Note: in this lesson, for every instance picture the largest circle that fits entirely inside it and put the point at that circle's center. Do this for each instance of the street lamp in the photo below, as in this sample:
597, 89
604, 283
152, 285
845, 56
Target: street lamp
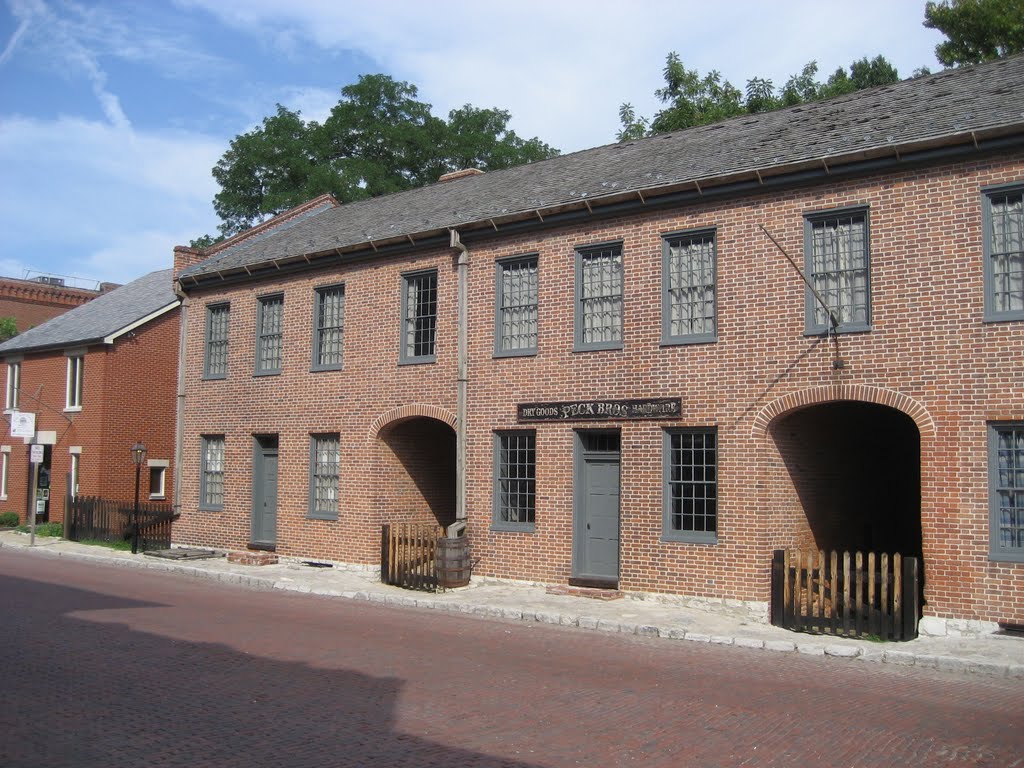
138, 456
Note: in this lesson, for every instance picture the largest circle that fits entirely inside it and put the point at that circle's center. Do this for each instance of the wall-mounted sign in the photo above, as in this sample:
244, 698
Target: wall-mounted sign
601, 410
23, 424
36, 453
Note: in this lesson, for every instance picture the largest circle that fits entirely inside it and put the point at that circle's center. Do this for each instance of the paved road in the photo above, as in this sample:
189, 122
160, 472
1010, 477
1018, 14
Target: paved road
105, 667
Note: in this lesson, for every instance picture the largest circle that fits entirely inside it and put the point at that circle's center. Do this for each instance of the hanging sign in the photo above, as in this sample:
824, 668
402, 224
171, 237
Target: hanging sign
23, 424
601, 410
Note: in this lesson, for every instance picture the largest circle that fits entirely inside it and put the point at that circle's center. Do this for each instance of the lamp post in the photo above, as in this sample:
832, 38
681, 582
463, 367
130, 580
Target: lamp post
138, 456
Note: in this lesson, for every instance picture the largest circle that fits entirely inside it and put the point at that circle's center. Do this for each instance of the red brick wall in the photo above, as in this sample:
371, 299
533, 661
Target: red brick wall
31, 303
928, 354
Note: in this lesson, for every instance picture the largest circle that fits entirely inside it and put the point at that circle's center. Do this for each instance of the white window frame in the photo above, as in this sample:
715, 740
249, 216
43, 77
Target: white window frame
159, 464
13, 398
76, 472
74, 390
5, 457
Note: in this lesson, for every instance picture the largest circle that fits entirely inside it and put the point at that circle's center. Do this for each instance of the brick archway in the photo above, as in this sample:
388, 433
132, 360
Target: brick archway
805, 398
411, 411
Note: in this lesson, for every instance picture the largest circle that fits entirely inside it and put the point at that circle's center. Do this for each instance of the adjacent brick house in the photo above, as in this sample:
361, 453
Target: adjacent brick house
97, 379
33, 302
641, 390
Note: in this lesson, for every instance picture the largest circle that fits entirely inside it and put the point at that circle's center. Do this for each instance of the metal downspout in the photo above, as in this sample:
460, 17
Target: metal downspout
179, 415
456, 528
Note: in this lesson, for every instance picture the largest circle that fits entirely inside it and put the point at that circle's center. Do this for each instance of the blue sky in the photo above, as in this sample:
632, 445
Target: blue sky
112, 113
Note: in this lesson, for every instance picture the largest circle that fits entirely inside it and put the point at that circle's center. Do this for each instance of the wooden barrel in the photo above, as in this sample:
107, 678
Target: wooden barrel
452, 561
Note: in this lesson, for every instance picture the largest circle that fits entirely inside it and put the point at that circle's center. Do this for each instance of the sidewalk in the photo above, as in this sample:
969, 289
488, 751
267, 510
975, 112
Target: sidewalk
996, 655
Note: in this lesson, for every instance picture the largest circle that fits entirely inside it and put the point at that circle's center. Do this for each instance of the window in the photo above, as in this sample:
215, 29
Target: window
836, 259
76, 465
13, 386
1006, 492
515, 470
215, 365
76, 369
329, 328
419, 312
516, 304
211, 483
158, 478
324, 468
599, 297
691, 486
4, 460
1004, 253
268, 334
688, 287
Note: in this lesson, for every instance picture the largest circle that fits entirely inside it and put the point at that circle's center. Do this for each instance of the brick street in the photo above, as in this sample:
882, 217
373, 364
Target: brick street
111, 668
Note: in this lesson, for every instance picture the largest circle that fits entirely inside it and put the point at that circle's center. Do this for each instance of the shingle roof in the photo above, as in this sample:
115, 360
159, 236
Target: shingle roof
102, 317
956, 105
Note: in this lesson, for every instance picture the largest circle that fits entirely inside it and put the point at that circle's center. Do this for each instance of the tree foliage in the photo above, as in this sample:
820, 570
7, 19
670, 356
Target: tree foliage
691, 99
8, 328
976, 30
379, 138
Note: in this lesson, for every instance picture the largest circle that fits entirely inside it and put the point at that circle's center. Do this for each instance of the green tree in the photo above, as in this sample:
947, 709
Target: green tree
8, 328
378, 139
976, 30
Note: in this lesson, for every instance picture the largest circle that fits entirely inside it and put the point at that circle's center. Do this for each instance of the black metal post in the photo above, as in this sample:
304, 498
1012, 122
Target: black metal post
135, 524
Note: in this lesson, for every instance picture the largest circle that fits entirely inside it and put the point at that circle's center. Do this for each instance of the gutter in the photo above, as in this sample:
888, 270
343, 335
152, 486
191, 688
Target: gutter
462, 381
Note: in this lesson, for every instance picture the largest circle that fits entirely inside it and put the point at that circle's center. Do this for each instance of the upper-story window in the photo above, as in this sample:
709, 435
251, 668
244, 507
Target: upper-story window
599, 297
837, 261
329, 328
515, 321
13, 386
688, 287
1004, 253
269, 323
419, 314
76, 373
215, 361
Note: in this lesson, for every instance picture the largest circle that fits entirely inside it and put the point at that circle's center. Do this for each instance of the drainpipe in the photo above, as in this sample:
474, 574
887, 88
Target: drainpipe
179, 415
456, 528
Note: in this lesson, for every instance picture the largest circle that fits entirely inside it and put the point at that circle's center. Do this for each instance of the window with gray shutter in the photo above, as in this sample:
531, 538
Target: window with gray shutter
515, 481
691, 486
599, 297
330, 327
215, 365
1004, 253
688, 284
516, 320
1006, 492
269, 325
837, 262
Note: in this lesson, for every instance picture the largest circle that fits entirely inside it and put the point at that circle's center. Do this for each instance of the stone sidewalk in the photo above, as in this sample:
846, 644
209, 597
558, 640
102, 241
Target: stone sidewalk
722, 624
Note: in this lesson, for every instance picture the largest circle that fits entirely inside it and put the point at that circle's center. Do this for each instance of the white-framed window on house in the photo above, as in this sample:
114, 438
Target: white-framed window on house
329, 328
1006, 491
691, 486
515, 481
76, 374
515, 321
1003, 217
688, 287
324, 473
76, 470
5, 461
269, 327
158, 478
419, 317
215, 358
211, 473
599, 297
837, 262
13, 398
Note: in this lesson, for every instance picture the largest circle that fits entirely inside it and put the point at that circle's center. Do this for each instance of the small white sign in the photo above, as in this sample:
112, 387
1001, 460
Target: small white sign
23, 424
36, 453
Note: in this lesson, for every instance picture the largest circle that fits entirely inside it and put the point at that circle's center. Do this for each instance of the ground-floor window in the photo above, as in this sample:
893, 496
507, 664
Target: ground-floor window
515, 472
691, 486
1006, 491
324, 469
211, 484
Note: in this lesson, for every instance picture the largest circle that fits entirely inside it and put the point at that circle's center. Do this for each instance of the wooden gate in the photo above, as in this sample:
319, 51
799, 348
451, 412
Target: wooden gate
855, 594
408, 552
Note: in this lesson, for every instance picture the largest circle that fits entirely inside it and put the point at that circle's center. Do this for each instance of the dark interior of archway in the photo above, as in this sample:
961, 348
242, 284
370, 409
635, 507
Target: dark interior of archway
857, 470
425, 451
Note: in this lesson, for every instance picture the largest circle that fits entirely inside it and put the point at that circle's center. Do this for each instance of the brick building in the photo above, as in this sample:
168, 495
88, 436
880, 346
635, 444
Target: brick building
33, 302
96, 379
605, 368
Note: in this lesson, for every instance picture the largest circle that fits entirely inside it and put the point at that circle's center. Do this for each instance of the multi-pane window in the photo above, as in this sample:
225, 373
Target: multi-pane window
1006, 491
516, 319
329, 328
324, 469
688, 287
76, 371
13, 386
515, 484
268, 334
837, 258
419, 317
1004, 254
691, 486
599, 297
215, 365
76, 468
211, 490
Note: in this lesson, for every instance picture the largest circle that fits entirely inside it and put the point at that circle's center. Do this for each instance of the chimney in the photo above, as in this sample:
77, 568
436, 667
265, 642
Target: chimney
461, 174
185, 257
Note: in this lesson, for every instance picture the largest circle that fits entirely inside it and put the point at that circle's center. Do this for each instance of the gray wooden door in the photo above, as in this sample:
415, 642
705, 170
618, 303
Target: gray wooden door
264, 492
596, 527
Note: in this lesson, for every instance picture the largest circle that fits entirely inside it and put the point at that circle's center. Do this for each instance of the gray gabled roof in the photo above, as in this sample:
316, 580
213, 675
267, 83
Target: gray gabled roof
104, 317
956, 106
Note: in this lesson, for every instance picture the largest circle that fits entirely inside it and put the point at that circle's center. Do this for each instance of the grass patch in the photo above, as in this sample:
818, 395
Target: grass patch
121, 546
45, 529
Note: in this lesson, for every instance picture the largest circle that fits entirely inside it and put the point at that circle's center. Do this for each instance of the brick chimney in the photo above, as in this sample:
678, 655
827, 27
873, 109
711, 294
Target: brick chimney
185, 257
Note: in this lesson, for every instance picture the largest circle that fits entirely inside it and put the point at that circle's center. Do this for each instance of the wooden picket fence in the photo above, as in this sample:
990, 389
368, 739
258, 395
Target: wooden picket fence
97, 519
408, 555
848, 594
